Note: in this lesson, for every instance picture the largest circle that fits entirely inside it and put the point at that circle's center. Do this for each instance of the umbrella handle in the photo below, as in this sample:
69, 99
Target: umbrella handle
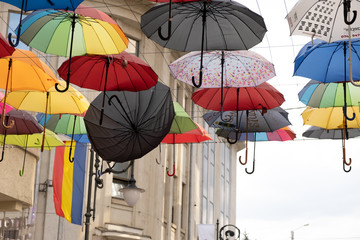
12, 122
169, 31
347, 7
71, 159
242, 163
344, 164
169, 25
172, 174
345, 113
229, 141
246, 170
200, 79
17, 41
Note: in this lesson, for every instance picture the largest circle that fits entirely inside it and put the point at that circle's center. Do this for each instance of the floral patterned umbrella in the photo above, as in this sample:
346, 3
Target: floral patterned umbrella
224, 68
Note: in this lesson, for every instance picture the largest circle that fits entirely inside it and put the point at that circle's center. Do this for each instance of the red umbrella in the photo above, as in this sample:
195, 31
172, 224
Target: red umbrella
263, 96
5, 48
120, 72
196, 135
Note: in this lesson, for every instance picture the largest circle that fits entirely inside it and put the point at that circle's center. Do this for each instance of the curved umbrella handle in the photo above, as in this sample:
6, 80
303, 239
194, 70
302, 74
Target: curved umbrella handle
251, 172
62, 90
17, 41
172, 174
344, 164
236, 138
242, 163
346, 4
200, 79
12, 122
345, 113
71, 159
169, 25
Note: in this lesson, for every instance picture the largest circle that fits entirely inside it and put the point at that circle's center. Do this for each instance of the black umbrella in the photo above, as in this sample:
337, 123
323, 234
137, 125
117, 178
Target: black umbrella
220, 24
133, 124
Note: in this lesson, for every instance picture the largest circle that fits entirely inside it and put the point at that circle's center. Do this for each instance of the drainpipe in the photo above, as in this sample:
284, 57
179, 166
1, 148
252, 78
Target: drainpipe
192, 165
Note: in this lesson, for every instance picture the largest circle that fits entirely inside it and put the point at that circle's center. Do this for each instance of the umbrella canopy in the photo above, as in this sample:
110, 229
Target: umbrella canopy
326, 62
182, 122
7, 107
323, 19
50, 102
24, 123
246, 98
63, 123
133, 125
227, 25
196, 135
119, 72
272, 120
235, 68
5, 48
25, 71
323, 95
33, 140
28, 5
283, 134
50, 32
321, 133
331, 117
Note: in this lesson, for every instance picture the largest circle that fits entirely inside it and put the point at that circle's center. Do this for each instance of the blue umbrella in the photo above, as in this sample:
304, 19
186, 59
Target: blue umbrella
29, 5
326, 62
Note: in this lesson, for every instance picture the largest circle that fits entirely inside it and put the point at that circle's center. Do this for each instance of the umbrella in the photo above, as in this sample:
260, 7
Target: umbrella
321, 133
224, 68
5, 48
7, 107
66, 33
182, 123
330, 118
245, 98
133, 125
32, 141
196, 135
29, 5
272, 120
50, 102
322, 95
24, 71
232, 27
121, 72
282, 134
324, 20
68, 124
24, 123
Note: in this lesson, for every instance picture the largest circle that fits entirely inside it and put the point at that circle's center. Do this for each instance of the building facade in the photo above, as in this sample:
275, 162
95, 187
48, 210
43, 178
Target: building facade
202, 190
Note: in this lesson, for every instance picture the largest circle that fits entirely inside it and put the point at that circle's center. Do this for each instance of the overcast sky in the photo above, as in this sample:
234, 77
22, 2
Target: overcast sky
296, 182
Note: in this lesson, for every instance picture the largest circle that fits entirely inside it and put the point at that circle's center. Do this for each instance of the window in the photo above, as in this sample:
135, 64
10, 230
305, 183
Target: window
133, 47
120, 180
14, 19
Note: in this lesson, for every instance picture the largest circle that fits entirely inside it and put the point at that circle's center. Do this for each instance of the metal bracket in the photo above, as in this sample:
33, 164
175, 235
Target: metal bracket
44, 186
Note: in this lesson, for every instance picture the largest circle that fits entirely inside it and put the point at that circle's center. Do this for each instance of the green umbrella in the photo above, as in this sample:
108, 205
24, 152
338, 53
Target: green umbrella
67, 124
182, 122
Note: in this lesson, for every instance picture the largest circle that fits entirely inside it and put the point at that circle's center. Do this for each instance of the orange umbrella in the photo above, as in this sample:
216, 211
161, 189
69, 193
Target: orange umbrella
23, 70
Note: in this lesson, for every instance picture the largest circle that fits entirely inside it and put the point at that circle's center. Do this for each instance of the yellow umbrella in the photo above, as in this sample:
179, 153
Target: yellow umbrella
330, 118
23, 70
50, 102
333, 118
32, 141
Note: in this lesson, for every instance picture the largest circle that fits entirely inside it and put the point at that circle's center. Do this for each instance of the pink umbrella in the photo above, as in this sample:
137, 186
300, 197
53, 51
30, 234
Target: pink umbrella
7, 107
